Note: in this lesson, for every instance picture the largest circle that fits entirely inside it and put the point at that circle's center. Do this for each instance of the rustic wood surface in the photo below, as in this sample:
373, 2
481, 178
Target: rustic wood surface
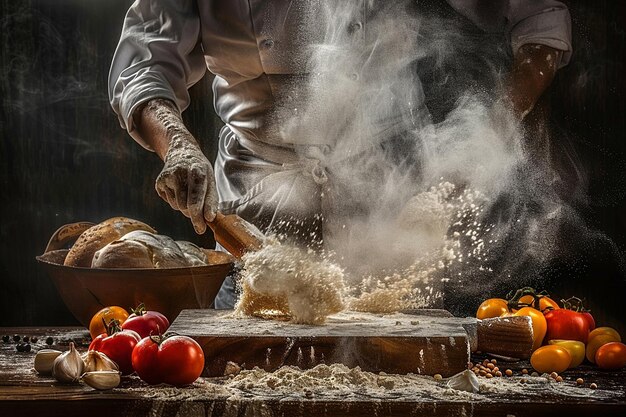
399, 343
22, 392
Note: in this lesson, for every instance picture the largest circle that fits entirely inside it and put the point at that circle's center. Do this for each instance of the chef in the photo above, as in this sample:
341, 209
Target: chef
257, 51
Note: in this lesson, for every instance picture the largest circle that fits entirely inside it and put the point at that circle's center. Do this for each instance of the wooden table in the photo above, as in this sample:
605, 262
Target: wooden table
23, 393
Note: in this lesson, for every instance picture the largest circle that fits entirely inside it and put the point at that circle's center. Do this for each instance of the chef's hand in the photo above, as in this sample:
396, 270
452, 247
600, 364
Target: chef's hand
533, 70
186, 182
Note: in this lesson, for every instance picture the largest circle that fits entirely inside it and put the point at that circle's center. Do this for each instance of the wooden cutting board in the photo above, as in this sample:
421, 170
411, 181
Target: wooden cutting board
428, 342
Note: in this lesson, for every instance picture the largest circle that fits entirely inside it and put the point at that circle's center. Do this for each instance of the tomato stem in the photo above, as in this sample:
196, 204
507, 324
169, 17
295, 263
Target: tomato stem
575, 304
514, 297
140, 310
113, 326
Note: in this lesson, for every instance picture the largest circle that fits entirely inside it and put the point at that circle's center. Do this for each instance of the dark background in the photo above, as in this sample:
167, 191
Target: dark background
64, 158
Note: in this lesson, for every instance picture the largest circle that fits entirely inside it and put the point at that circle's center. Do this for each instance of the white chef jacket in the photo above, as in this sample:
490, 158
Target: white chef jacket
258, 49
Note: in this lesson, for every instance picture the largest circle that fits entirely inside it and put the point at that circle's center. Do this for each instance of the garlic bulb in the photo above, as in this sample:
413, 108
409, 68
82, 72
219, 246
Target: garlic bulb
97, 361
69, 366
44, 359
101, 379
464, 381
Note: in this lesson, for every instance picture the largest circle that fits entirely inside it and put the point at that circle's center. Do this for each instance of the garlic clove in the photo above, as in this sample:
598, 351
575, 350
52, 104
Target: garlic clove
68, 366
44, 359
98, 361
101, 380
464, 381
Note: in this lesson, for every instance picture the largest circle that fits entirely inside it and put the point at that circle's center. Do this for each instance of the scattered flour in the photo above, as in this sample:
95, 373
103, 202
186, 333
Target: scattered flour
339, 383
283, 281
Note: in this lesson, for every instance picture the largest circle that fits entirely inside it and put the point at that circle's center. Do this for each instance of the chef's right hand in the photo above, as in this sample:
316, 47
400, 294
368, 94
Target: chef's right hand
187, 182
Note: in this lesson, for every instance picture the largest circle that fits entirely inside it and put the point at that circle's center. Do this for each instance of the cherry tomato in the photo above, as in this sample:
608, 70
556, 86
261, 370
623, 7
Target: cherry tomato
146, 323
492, 307
551, 358
597, 342
119, 347
611, 356
96, 325
605, 330
538, 322
175, 360
566, 325
575, 349
544, 302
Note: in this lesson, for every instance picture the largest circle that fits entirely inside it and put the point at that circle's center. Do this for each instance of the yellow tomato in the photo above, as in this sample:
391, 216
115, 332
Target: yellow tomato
493, 307
604, 330
599, 340
540, 326
96, 325
551, 358
575, 349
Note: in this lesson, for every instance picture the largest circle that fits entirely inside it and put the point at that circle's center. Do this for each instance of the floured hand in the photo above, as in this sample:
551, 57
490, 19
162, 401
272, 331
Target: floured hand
186, 182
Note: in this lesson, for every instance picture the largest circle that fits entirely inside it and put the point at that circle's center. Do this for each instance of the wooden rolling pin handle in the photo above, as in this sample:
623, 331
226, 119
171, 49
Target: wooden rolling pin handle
235, 234
506, 336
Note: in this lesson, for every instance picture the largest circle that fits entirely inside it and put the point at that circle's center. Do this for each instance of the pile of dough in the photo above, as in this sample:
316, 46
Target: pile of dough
288, 281
141, 249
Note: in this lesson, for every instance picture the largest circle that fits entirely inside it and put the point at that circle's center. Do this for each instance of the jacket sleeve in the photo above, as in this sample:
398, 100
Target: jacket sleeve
544, 22
159, 55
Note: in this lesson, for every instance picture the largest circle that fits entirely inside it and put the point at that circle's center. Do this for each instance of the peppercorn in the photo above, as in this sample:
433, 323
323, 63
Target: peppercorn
580, 381
34, 339
16, 338
49, 340
593, 385
20, 347
508, 372
6, 338
559, 378
26, 339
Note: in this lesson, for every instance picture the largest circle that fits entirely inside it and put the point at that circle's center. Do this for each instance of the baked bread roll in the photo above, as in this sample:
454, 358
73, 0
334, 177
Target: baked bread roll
141, 249
100, 235
195, 256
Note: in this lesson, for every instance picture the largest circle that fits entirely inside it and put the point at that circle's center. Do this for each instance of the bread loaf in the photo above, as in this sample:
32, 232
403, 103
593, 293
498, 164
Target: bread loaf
141, 249
100, 235
195, 256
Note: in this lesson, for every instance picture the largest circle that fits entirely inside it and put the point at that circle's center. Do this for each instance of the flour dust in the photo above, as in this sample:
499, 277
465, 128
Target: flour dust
415, 205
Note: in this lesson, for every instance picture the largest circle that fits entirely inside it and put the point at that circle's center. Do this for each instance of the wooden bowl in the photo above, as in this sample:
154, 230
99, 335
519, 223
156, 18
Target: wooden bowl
86, 290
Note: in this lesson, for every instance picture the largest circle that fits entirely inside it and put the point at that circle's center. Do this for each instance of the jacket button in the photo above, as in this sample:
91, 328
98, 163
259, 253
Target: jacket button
267, 43
355, 26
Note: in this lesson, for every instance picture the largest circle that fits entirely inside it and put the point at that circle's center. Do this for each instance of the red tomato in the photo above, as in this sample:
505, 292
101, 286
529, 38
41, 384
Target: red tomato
175, 360
567, 325
611, 356
590, 320
119, 347
146, 323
